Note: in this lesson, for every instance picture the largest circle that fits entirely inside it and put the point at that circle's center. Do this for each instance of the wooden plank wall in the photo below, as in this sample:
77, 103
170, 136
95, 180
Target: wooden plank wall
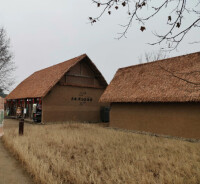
81, 75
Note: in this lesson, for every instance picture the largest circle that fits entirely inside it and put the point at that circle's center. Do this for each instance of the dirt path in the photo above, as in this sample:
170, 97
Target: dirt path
10, 169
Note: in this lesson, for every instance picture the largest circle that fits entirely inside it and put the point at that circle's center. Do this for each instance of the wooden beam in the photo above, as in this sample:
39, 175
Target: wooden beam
86, 86
79, 76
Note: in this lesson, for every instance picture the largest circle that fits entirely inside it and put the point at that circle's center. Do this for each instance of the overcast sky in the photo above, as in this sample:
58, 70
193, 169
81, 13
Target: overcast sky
44, 33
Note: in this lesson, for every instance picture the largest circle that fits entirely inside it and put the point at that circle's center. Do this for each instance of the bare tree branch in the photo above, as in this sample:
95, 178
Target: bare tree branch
180, 10
152, 56
173, 74
6, 63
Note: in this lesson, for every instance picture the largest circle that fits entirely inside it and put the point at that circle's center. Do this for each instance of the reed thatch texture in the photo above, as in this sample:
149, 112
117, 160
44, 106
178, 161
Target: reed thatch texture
41, 82
174, 79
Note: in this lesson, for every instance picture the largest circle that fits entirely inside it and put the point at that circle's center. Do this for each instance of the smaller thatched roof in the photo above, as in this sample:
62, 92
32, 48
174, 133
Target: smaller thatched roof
42, 81
174, 79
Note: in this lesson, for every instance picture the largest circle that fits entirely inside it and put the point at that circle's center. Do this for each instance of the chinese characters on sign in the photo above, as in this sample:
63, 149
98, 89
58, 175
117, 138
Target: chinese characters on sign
82, 98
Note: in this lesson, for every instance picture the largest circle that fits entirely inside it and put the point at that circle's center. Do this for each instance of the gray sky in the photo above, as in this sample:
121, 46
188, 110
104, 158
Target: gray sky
47, 32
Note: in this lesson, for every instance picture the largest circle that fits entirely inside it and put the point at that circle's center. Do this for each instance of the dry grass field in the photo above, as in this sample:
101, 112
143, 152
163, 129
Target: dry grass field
87, 154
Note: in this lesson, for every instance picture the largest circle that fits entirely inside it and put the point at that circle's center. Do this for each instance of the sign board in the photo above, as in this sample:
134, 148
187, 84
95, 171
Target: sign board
82, 98
1, 115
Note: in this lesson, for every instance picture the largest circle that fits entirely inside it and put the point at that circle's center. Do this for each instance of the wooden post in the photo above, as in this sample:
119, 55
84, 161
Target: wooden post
21, 126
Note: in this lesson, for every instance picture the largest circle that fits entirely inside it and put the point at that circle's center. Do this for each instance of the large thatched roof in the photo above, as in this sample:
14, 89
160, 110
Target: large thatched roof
170, 80
40, 82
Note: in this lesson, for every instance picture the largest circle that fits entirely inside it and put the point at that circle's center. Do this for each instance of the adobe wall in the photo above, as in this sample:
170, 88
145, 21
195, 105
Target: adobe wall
68, 103
176, 119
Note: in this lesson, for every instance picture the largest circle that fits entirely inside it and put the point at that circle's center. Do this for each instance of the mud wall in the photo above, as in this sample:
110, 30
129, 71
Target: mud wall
69, 103
175, 119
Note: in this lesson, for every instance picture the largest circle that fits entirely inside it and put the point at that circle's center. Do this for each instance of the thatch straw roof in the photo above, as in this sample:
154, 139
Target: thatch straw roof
174, 79
41, 82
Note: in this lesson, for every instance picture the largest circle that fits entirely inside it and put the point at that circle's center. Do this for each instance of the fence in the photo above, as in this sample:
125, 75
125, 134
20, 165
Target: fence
1, 115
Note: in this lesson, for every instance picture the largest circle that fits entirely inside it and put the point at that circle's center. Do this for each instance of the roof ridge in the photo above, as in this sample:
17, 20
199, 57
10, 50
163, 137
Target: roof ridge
152, 62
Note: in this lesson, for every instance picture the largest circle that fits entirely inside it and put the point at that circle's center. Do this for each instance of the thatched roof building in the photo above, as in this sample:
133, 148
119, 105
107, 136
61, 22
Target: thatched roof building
67, 91
42, 81
149, 96
168, 80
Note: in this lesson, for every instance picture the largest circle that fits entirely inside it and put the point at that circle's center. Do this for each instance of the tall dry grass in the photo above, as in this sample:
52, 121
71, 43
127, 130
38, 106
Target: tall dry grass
83, 153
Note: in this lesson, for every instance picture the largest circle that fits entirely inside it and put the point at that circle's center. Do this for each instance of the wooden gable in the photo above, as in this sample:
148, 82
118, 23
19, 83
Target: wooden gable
82, 75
